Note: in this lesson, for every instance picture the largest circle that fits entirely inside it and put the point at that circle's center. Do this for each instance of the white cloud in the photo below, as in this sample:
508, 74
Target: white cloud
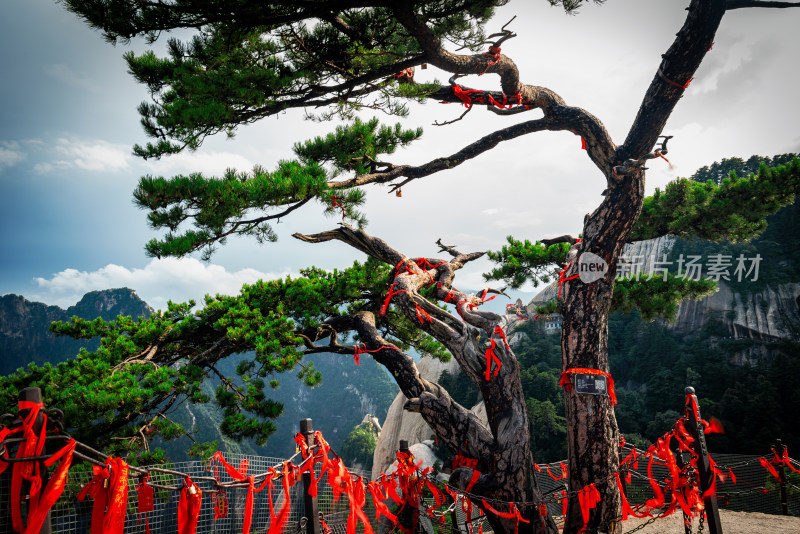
161, 280
98, 156
209, 163
10, 154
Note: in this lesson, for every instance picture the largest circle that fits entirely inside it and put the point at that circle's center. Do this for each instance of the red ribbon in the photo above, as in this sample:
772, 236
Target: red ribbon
240, 475
563, 472
513, 512
588, 498
144, 499
491, 357
39, 507
109, 490
40, 499
189, 507
566, 381
335, 204
276, 526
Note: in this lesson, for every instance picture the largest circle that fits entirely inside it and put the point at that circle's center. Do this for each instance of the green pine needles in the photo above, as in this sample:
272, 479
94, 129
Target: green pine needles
241, 203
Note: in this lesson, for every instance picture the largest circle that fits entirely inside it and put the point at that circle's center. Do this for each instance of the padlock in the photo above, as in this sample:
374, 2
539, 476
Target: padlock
105, 483
192, 490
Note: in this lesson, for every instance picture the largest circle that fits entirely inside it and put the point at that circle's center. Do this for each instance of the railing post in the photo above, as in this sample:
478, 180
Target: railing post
705, 476
779, 448
35, 395
311, 505
681, 463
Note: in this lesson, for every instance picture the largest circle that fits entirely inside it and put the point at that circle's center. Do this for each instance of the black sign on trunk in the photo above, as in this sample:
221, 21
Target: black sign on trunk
591, 384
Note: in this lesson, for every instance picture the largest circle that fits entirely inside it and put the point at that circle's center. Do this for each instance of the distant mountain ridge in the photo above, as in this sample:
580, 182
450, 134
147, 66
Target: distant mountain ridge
348, 391
24, 325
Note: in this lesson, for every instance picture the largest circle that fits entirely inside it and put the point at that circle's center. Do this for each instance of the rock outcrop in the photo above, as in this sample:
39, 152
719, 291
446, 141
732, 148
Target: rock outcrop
24, 325
403, 425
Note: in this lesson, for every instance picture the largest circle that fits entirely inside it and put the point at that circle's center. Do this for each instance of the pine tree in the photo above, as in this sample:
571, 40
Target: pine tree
249, 60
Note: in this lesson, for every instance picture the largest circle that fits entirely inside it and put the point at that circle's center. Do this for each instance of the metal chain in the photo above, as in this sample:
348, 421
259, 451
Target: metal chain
702, 522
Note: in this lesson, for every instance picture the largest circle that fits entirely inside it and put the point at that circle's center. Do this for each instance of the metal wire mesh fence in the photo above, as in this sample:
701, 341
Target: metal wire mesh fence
748, 486
69, 515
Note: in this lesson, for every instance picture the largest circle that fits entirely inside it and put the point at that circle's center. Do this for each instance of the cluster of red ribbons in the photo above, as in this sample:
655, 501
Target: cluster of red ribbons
288, 475
109, 490
778, 460
491, 357
681, 485
566, 380
450, 297
40, 499
403, 265
475, 96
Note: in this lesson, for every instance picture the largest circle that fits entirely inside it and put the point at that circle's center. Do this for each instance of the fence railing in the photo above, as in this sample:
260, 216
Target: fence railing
748, 483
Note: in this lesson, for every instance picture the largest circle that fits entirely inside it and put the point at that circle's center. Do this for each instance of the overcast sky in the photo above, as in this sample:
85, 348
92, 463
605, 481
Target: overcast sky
68, 121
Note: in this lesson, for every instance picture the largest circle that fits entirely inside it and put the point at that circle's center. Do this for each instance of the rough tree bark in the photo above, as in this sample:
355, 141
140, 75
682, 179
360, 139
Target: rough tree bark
592, 434
505, 463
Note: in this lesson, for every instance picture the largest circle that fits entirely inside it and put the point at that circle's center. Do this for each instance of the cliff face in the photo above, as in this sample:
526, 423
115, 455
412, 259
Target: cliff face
24, 334
764, 318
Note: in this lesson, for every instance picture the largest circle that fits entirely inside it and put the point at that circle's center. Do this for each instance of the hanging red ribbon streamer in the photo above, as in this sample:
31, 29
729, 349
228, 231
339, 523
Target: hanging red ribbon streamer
40, 499
109, 490
144, 499
566, 381
189, 507
39, 508
335, 204
491, 357
276, 526
240, 475
588, 498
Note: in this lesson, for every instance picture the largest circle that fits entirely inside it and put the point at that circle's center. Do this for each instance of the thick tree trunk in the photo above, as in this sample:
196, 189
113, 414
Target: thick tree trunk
503, 478
592, 434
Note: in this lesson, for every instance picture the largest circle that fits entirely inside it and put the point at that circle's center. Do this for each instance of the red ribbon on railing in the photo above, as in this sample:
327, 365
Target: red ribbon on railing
189, 505
40, 499
144, 500
563, 472
240, 475
109, 490
277, 525
566, 381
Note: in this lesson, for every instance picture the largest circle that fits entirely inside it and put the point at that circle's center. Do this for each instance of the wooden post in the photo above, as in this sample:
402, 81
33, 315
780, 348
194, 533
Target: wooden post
311, 506
35, 395
779, 448
705, 476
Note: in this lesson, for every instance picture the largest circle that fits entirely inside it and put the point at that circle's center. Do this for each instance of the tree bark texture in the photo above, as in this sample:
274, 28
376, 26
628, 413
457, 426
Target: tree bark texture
505, 464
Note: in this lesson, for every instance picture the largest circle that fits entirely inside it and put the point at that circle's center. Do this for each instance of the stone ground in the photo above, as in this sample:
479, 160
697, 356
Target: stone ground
732, 523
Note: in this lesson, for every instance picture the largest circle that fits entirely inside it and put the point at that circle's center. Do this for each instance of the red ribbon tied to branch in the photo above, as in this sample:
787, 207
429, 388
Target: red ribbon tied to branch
491, 357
